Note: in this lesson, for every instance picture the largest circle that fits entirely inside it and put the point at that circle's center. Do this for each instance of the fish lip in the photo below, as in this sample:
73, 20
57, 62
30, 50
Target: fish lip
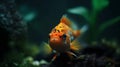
55, 40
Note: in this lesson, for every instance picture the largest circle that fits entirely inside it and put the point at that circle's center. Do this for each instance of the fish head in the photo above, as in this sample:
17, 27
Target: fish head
59, 41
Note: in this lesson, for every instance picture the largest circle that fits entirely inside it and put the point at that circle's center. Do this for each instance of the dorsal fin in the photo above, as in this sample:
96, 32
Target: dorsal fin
65, 20
69, 22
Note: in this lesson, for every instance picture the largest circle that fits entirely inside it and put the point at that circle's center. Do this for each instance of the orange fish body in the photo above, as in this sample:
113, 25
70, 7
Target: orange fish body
62, 37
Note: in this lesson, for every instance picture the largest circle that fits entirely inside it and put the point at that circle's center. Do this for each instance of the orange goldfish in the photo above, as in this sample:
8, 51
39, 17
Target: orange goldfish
62, 38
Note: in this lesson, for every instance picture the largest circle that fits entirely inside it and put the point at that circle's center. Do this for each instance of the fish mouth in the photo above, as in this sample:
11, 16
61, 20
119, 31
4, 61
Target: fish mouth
55, 40
55, 43
58, 45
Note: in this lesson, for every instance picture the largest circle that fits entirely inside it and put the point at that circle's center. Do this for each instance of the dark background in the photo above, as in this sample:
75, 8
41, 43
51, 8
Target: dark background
49, 13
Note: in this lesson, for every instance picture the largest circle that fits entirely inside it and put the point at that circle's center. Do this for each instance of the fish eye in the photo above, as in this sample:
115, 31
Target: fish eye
64, 36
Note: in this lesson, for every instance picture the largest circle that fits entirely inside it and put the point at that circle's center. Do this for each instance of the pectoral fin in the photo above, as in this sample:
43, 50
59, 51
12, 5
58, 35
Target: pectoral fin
71, 55
45, 49
75, 46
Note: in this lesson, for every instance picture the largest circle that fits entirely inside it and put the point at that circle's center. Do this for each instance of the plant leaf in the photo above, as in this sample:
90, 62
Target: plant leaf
29, 17
108, 23
99, 4
79, 11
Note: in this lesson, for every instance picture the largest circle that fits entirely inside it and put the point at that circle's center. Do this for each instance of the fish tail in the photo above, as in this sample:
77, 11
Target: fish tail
78, 33
84, 29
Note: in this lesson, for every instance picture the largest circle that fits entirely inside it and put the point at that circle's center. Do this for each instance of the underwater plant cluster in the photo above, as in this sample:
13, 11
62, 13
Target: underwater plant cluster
10, 19
12, 32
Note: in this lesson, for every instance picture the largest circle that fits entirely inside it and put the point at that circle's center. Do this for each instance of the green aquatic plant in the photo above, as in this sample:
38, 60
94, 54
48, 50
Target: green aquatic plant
92, 17
13, 37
